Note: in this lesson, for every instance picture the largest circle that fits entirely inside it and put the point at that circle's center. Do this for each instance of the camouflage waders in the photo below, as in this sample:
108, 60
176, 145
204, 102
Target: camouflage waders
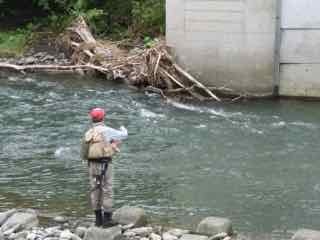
101, 185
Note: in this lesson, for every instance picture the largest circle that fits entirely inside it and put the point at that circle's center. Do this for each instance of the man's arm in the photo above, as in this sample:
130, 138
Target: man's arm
116, 135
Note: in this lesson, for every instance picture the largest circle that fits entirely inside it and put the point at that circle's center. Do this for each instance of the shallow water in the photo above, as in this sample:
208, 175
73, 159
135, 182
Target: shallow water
254, 162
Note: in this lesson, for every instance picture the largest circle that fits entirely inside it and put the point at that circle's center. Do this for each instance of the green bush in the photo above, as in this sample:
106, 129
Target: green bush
13, 43
113, 17
149, 16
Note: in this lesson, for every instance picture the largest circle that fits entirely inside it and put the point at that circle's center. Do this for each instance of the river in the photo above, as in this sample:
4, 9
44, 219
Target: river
254, 162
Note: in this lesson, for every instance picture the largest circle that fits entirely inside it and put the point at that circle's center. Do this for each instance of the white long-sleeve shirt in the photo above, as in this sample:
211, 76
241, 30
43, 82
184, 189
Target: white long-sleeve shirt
110, 134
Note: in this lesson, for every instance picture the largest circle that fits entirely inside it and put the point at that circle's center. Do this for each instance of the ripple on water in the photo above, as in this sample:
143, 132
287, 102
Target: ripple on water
145, 113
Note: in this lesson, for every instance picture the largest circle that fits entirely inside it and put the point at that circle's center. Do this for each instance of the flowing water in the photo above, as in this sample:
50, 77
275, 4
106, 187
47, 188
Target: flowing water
255, 162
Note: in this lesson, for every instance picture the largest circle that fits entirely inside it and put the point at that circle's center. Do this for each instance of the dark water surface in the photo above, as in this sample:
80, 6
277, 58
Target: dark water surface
257, 163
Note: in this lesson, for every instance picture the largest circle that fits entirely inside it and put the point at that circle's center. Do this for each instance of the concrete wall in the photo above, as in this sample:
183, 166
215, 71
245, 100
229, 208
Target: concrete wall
300, 48
225, 42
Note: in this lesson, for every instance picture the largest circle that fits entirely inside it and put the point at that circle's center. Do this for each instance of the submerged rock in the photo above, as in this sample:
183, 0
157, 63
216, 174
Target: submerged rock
214, 225
130, 215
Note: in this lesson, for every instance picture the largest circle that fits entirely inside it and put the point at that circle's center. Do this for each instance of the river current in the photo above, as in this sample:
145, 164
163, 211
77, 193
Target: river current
256, 163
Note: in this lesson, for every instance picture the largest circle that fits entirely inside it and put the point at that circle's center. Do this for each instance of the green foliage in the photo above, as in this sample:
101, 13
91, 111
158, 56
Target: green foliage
112, 17
148, 42
13, 43
149, 16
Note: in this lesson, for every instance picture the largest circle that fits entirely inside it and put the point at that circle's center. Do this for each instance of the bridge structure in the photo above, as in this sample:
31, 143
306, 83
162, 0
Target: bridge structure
253, 46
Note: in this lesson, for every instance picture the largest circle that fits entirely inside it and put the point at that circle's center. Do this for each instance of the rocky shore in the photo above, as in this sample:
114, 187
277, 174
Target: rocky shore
20, 224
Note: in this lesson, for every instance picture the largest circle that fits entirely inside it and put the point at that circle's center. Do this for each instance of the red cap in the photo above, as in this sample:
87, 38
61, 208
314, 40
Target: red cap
97, 114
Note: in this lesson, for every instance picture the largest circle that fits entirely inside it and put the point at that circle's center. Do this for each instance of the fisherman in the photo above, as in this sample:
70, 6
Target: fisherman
99, 145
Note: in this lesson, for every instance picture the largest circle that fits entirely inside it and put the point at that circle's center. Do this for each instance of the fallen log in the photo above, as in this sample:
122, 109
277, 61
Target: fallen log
26, 68
192, 79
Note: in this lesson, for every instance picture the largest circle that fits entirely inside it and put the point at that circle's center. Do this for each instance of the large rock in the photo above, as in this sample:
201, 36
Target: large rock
5, 215
193, 237
20, 220
95, 233
130, 215
214, 225
306, 234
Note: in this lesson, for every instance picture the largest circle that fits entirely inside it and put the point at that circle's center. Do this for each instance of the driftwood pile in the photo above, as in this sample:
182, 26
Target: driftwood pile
153, 68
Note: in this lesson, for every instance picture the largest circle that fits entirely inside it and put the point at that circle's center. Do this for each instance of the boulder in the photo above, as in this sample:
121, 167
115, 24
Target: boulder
214, 225
20, 220
95, 233
130, 215
306, 234
5, 215
193, 237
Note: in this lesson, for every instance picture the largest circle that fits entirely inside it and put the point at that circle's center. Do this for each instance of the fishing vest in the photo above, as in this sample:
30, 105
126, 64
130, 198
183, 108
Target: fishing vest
97, 146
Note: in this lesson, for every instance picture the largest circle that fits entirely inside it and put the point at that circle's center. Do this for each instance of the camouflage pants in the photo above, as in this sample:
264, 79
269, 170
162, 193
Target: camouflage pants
100, 195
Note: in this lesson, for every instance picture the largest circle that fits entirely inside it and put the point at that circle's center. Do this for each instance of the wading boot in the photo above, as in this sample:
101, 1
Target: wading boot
99, 218
107, 220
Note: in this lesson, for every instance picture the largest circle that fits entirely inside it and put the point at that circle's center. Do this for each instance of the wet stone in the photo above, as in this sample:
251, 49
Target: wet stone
60, 219
214, 225
130, 215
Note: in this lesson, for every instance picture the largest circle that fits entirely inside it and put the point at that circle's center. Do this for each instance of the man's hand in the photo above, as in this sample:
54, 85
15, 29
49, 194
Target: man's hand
115, 145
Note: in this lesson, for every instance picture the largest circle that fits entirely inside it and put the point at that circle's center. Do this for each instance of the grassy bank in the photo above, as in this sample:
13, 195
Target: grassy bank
14, 43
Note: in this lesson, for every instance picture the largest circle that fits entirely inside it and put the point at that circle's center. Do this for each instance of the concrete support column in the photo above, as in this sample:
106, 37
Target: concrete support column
225, 42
